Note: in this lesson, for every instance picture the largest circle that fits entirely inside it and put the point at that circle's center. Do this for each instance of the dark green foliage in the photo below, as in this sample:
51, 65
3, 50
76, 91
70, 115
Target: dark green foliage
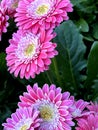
75, 69
92, 71
71, 54
92, 65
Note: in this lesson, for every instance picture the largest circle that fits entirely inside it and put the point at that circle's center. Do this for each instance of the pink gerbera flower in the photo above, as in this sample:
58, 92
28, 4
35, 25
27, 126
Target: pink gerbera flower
78, 108
29, 54
3, 20
23, 119
37, 13
89, 123
11, 6
93, 107
52, 104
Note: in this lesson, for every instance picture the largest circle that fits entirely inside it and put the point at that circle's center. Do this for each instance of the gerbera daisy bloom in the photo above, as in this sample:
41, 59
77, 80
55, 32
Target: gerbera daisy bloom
3, 20
23, 119
52, 104
78, 108
93, 107
89, 123
29, 54
48, 13
11, 6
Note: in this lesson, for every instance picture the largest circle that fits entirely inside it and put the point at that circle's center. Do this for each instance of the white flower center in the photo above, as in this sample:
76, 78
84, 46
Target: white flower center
28, 48
43, 9
40, 8
47, 112
24, 127
23, 124
77, 112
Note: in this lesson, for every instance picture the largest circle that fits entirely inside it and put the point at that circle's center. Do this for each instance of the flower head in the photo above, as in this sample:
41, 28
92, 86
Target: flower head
23, 119
3, 20
29, 54
31, 14
11, 6
78, 108
89, 123
52, 104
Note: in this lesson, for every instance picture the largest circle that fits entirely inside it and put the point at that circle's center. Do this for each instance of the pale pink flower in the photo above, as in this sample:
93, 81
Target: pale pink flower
29, 54
45, 13
52, 104
89, 123
11, 6
3, 20
23, 119
93, 107
78, 108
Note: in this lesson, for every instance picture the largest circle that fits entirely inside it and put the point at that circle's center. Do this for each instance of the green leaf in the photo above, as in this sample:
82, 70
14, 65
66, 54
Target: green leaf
82, 25
92, 65
71, 49
87, 37
87, 6
75, 2
95, 90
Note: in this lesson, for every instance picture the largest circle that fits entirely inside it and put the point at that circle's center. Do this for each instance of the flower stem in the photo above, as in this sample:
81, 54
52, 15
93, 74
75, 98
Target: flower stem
49, 78
56, 71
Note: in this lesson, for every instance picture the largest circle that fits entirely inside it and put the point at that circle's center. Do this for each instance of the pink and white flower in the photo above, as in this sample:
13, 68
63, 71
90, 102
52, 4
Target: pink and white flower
11, 6
23, 119
32, 14
52, 104
89, 123
29, 54
78, 108
3, 20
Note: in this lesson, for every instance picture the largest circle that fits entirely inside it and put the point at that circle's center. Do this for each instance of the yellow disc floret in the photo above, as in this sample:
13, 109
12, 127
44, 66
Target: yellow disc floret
24, 127
43, 9
46, 112
29, 50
